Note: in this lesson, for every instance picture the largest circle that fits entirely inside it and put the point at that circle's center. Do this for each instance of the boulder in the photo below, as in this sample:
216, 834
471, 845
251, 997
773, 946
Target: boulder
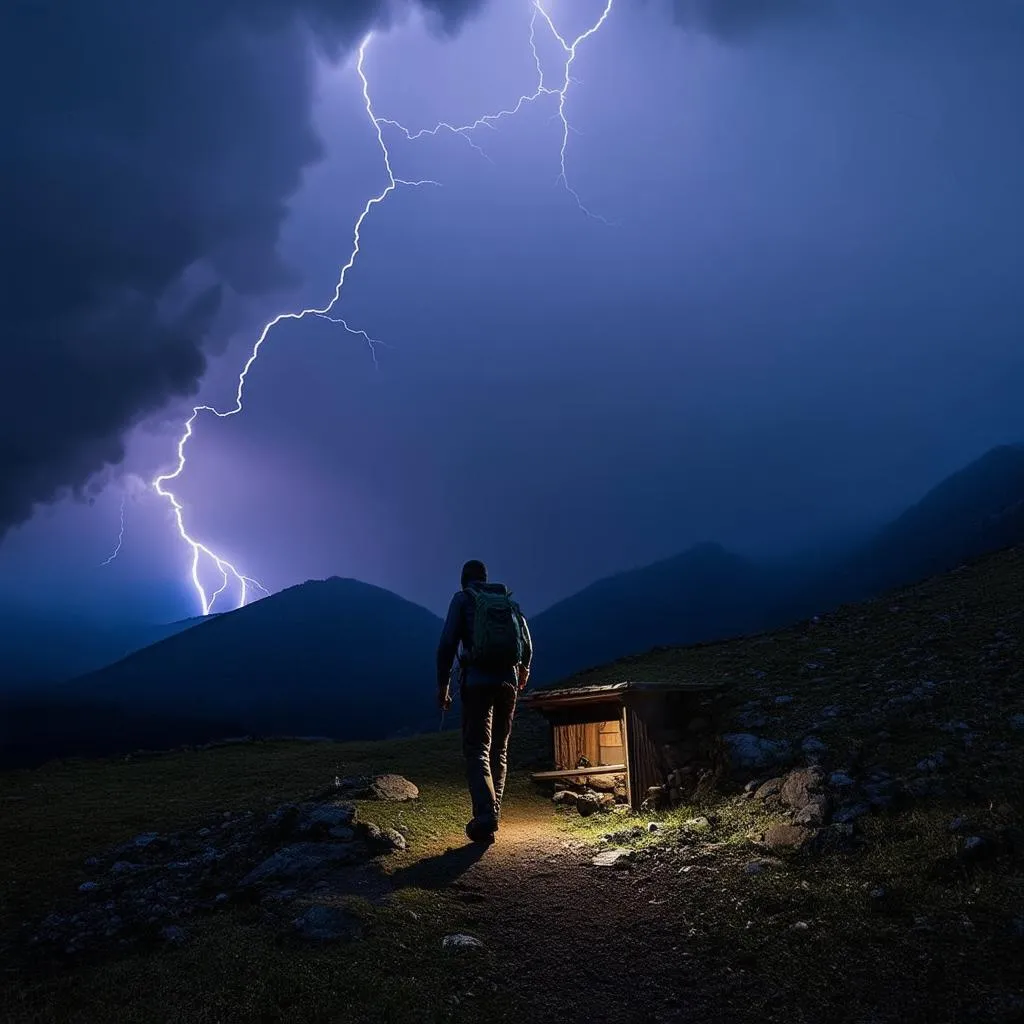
768, 790
800, 787
301, 859
604, 783
393, 787
327, 924
746, 750
813, 813
782, 838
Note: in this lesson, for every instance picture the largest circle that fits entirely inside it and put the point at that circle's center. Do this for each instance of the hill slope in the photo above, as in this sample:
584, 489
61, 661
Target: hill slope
335, 657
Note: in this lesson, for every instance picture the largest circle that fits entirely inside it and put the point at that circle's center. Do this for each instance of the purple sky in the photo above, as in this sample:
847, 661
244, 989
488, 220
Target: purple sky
805, 312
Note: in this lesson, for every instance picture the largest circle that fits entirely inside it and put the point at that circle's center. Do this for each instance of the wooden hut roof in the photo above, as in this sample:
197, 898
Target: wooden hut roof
563, 696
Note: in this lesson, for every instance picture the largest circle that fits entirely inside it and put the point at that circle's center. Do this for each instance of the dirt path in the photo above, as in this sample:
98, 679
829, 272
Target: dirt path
582, 943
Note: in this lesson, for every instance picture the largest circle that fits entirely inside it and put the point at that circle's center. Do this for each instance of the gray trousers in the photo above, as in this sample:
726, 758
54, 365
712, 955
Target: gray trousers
487, 712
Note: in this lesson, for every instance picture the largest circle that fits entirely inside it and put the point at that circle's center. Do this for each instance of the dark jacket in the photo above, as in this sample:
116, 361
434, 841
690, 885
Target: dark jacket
458, 632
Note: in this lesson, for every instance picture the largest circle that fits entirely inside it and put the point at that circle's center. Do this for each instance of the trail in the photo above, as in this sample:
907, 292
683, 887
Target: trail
581, 943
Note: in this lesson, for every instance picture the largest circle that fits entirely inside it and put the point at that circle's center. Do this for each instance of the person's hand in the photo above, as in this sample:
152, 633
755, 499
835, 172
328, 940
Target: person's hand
524, 675
444, 699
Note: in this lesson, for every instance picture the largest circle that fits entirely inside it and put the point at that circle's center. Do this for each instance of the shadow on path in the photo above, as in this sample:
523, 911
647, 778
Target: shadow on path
441, 870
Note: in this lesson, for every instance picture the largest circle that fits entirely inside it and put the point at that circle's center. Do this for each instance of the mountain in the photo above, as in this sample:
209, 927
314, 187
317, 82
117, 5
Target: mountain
329, 657
976, 510
708, 593
37, 648
705, 593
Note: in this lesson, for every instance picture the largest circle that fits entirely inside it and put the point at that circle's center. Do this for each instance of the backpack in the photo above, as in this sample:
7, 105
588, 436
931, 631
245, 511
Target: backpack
497, 642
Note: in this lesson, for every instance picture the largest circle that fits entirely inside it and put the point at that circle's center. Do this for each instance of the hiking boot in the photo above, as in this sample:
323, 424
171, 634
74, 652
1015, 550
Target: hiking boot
481, 832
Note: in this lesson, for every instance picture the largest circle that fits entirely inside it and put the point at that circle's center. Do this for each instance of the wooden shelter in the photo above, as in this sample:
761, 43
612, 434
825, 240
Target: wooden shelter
613, 729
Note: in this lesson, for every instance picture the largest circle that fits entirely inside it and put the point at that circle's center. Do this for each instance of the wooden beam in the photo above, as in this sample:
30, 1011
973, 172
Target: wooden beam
569, 773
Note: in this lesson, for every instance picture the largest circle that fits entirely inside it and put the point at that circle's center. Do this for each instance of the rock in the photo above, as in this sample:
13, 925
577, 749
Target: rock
813, 813
611, 859
784, 698
565, 797
381, 840
299, 860
840, 780
653, 826
958, 824
342, 834
759, 867
603, 783
142, 841
588, 804
327, 924
88, 887
751, 719
974, 846
851, 812
833, 838
749, 751
785, 837
813, 748
174, 935
769, 789
606, 801
879, 794
461, 944
933, 763
657, 799
802, 786
699, 824
328, 816
393, 787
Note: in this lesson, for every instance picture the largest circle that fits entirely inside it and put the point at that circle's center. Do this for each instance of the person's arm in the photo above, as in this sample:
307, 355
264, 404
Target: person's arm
524, 665
448, 647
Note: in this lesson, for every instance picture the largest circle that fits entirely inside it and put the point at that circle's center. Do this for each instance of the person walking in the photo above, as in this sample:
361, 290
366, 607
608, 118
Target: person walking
488, 634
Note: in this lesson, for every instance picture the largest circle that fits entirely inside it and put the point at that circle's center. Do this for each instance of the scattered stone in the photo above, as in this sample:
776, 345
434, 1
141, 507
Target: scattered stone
813, 748
381, 840
768, 790
611, 858
974, 845
327, 924
801, 787
933, 763
565, 797
299, 860
588, 804
783, 837
699, 824
653, 826
814, 813
393, 787
461, 944
88, 887
878, 893
958, 824
174, 935
758, 867
801, 926
751, 719
749, 751
144, 840
784, 699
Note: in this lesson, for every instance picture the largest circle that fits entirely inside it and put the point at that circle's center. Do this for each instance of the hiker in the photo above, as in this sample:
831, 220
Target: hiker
488, 634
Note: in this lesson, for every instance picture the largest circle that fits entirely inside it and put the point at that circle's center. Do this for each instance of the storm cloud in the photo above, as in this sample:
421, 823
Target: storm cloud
150, 152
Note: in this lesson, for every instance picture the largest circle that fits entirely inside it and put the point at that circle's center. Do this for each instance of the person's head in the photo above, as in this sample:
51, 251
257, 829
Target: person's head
474, 571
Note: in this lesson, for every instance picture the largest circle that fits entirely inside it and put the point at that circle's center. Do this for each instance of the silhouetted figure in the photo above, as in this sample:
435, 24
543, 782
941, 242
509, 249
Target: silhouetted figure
488, 633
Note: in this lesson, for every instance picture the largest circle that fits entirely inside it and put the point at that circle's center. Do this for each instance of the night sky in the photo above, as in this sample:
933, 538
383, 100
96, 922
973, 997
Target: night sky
798, 307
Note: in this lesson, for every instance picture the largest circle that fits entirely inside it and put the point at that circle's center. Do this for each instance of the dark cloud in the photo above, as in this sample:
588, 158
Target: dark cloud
150, 150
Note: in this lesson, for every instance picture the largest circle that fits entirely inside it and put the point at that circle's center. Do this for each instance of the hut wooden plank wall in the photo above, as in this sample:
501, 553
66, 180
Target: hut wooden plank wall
612, 729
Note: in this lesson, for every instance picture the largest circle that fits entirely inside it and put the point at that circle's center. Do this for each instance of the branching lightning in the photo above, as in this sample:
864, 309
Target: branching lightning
203, 555
120, 541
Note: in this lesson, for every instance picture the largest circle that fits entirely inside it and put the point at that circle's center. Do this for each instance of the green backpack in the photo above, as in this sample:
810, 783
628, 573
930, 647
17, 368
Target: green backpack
498, 642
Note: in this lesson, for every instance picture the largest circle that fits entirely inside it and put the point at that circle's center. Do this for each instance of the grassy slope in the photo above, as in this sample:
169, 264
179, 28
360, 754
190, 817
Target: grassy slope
940, 946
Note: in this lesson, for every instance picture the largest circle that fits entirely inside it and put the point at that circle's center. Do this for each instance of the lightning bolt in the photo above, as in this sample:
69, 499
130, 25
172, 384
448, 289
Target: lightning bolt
203, 555
120, 541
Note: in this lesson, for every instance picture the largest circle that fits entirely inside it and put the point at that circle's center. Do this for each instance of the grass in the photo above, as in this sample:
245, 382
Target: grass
903, 928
